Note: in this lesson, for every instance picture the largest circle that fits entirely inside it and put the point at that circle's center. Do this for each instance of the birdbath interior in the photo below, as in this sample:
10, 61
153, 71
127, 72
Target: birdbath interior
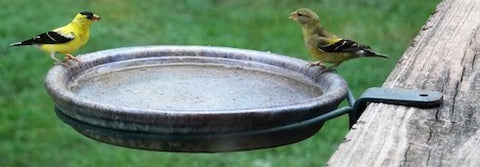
190, 86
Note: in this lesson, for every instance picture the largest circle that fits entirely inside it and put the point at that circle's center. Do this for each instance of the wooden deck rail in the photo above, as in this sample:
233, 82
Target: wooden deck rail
444, 57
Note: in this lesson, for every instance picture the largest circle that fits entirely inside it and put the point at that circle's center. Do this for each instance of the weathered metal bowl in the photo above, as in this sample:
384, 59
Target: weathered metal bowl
193, 98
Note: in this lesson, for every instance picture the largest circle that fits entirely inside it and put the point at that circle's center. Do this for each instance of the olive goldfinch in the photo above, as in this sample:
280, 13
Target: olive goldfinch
66, 39
325, 46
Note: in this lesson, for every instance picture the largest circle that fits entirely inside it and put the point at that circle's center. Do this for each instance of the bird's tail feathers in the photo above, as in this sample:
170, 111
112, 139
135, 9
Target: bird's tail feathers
18, 44
370, 53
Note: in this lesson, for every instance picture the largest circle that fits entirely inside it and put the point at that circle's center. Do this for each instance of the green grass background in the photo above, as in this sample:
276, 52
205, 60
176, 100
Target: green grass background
31, 134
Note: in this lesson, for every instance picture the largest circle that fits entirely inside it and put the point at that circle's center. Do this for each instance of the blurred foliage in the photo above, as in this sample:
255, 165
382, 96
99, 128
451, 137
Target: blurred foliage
31, 134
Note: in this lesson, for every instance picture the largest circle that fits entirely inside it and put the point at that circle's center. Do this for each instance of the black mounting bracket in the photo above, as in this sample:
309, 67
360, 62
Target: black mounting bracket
414, 98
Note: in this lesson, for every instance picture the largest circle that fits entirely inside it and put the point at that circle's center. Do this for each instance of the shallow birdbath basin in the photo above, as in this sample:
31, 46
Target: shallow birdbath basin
193, 98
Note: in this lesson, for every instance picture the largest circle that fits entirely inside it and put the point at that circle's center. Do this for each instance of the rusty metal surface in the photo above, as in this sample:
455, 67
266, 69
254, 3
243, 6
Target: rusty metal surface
192, 91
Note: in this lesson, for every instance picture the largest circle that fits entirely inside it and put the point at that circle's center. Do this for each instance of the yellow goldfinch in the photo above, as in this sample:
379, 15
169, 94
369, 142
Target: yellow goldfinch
66, 39
325, 46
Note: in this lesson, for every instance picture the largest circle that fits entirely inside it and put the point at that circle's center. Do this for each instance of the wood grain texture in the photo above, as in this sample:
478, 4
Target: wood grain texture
445, 57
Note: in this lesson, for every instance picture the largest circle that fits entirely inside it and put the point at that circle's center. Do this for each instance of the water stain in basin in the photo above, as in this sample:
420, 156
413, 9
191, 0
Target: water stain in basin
190, 87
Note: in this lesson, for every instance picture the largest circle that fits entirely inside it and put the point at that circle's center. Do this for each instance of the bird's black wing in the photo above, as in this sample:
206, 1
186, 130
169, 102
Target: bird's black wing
50, 37
343, 45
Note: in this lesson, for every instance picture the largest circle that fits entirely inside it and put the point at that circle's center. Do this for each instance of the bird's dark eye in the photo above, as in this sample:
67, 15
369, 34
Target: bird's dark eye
299, 14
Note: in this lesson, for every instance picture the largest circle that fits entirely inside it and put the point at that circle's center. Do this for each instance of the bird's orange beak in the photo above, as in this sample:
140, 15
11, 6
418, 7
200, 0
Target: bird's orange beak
96, 18
293, 15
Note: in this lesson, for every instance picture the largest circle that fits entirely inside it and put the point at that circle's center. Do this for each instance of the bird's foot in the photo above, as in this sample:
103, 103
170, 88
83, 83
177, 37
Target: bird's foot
320, 64
317, 63
70, 57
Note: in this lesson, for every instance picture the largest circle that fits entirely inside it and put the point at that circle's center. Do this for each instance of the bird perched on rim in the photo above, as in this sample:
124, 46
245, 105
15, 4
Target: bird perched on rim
66, 39
325, 46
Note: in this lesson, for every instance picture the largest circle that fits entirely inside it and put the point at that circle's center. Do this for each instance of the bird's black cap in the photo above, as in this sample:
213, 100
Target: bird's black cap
88, 14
